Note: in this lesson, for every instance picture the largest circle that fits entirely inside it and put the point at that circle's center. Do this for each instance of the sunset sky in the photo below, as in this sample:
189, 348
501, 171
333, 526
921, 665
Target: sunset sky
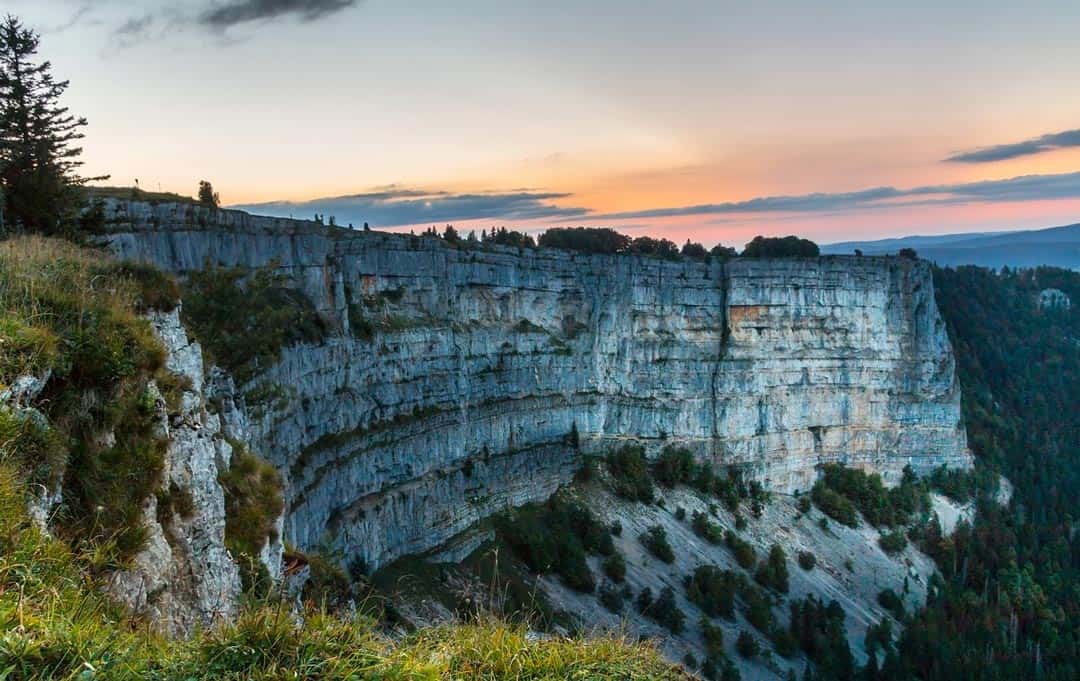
682, 119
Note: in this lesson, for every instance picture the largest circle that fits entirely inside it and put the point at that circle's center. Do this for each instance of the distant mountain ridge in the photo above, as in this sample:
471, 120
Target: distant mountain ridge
1058, 246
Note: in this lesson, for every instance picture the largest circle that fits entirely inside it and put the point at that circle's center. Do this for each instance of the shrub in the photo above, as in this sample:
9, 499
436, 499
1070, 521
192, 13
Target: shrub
615, 567
834, 505
644, 600
758, 611
328, 586
803, 504
731, 489
821, 634
156, 290
807, 560
784, 641
868, 494
746, 645
958, 485
663, 610
253, 502
656, 541
674, 466
713, 590
720, 668
630, 474
706, 529
661, 248
773, 572
245, 319
888, 599
705, 479
585, 239
611, 597
555, 537
780, 247
744, 553
680, 513
694, 250
893, 542
713, 637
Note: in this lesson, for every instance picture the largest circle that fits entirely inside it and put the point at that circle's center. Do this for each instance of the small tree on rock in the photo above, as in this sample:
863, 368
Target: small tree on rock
207, 196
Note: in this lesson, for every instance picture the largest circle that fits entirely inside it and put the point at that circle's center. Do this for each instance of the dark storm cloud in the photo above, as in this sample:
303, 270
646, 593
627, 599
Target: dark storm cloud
395, 206
223, 16
217, 17
1037, 145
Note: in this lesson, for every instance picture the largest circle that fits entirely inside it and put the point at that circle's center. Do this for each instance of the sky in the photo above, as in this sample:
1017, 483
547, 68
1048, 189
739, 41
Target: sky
682, 119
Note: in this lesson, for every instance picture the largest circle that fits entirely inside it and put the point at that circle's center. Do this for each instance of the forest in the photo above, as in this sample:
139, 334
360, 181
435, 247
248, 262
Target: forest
1008, 603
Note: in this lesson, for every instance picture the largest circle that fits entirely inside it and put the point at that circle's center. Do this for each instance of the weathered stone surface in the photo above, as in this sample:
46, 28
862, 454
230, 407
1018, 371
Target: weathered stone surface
480, 363
184, 577
851, 568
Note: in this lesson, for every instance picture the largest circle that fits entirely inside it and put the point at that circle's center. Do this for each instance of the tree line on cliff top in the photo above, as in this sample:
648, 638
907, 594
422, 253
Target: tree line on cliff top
606, 241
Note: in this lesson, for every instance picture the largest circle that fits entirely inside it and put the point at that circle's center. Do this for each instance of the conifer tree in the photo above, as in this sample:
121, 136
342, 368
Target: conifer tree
39, 152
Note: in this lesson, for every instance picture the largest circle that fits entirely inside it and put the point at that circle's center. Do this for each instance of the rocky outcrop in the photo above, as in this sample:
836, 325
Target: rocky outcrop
462, 380
184, 577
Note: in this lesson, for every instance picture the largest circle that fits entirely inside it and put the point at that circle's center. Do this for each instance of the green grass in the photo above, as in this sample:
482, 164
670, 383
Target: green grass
58, 626
133, 194
73, 315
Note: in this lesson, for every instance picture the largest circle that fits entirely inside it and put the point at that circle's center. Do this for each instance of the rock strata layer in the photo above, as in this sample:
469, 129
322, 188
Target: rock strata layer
462, 380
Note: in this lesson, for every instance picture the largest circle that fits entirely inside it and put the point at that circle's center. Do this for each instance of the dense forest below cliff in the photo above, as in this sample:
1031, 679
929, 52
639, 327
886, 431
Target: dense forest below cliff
1009, 602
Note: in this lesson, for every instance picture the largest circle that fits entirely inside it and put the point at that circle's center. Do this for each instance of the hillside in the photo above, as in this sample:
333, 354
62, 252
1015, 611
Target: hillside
1055, 246
410, 390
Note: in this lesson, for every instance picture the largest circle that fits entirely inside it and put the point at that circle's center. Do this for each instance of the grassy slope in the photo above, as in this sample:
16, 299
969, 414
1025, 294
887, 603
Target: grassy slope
75, 313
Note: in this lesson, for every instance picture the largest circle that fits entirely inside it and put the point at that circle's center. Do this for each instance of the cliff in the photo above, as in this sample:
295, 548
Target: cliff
456, 377
184, 577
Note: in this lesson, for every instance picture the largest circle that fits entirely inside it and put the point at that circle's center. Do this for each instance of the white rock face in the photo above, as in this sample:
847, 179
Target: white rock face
185, 577
481, 363
1054, 299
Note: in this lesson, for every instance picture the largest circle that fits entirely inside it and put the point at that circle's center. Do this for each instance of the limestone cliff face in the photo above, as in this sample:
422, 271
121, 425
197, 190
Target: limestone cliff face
457, 377
184, 577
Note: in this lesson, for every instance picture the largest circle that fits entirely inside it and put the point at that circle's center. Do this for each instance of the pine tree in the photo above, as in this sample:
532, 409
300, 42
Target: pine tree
210, 198
39, 156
